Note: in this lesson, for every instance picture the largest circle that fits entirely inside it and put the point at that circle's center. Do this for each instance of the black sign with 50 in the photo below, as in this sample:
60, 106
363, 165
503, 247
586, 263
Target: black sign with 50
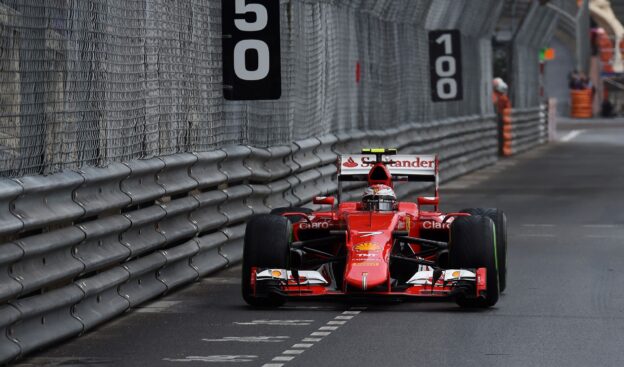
251, 49
445, 65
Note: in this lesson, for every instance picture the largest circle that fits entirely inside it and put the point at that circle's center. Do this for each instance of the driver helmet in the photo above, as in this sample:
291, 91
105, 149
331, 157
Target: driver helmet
379, 198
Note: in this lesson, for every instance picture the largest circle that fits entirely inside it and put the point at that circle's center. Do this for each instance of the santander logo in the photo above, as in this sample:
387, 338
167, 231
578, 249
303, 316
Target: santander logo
399, 161
350, 163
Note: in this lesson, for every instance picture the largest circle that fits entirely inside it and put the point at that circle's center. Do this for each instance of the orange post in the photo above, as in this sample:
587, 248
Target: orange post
507, 131
581, 103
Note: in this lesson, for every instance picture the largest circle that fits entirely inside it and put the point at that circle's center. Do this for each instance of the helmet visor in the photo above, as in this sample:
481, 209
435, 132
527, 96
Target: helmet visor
379, 203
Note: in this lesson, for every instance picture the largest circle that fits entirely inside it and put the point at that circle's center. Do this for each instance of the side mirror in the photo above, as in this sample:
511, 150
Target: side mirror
324, 200
428, 200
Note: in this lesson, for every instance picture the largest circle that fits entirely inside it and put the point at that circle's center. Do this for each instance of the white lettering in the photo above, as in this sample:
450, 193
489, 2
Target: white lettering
240, 64
260, 12
314, 225
435, 225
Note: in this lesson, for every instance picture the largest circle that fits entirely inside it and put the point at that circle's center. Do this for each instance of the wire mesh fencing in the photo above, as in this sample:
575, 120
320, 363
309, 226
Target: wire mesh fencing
89, 82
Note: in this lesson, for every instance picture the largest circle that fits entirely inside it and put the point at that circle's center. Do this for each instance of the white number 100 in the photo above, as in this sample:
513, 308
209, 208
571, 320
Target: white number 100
260, 47
446, 67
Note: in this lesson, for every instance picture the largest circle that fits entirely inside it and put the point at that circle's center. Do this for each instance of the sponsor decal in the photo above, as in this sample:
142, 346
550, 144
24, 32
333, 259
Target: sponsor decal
350, 163
456, 274
435, 225
402, 162
367, 246
366, 263
416, 163
314, 225
367, 234
366, 254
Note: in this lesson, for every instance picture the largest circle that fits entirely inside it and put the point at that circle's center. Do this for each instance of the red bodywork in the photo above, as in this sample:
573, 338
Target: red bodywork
366, 244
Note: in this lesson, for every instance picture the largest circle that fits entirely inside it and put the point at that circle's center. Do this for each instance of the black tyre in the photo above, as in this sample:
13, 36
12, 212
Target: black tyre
294, 209
267, 245
500, 221
472, 244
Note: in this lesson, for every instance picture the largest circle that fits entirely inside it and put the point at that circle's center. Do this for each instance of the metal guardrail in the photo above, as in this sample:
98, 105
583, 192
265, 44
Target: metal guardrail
529, 128
83, 247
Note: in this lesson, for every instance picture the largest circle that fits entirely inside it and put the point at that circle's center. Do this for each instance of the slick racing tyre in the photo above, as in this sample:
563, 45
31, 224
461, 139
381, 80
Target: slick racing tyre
500, 220
294, 209
267, 245
472, 244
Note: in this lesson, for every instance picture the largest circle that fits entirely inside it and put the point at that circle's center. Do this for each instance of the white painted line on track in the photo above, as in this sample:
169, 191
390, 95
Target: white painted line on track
215, 359
571, 136
320, 333
277, 322
538, 225
293, 351
302, 345
600, 225
283, 358
545, 235
316, 336
250, 339
336, 322
311, 340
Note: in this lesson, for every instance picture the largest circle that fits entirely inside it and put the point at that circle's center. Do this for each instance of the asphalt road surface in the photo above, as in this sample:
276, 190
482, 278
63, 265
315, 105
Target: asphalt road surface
564, 304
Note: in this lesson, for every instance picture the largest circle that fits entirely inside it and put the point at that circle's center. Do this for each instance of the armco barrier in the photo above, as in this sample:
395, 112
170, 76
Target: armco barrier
80, 248
529, 128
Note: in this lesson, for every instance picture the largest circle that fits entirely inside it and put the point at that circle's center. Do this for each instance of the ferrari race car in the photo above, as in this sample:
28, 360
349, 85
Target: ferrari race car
377, 247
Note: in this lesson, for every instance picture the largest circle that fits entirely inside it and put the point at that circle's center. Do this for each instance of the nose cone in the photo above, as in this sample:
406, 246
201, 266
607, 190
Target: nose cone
365, 275
371, 242
367, 267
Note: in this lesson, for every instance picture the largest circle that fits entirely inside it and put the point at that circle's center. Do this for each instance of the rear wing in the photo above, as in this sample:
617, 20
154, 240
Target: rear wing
413, 167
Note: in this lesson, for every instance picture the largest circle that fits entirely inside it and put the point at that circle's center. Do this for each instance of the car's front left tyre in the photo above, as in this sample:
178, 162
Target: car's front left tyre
472, 244
500, 222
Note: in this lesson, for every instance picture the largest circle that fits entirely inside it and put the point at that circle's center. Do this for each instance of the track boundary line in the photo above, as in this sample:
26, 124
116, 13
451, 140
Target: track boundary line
314, 337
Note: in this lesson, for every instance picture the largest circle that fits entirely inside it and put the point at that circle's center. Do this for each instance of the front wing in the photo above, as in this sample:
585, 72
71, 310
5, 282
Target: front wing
308, 284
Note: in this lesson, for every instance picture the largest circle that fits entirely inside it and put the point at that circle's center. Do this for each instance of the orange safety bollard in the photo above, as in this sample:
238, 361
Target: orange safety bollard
581, 103
507, 132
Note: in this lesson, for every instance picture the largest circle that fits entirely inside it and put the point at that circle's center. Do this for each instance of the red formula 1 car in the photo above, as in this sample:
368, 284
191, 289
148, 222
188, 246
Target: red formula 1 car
377, 247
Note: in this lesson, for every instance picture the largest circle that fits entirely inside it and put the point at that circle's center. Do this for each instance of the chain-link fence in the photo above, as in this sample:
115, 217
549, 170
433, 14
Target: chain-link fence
88, 82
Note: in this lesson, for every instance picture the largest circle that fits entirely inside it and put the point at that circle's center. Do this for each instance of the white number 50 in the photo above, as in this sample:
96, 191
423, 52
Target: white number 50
260, 47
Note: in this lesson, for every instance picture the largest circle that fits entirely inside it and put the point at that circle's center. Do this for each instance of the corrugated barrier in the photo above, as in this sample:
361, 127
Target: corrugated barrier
83, 247
529, 127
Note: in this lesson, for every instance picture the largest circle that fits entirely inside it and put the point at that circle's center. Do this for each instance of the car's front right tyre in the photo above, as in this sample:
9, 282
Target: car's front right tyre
267, 245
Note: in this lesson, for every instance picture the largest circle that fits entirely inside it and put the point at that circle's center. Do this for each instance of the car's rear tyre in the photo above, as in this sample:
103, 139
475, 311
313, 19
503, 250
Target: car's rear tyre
293, 209
473, 245
500, 221
267, 245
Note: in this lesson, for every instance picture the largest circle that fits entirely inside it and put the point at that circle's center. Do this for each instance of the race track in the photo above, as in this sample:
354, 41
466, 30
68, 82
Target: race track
564, 304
